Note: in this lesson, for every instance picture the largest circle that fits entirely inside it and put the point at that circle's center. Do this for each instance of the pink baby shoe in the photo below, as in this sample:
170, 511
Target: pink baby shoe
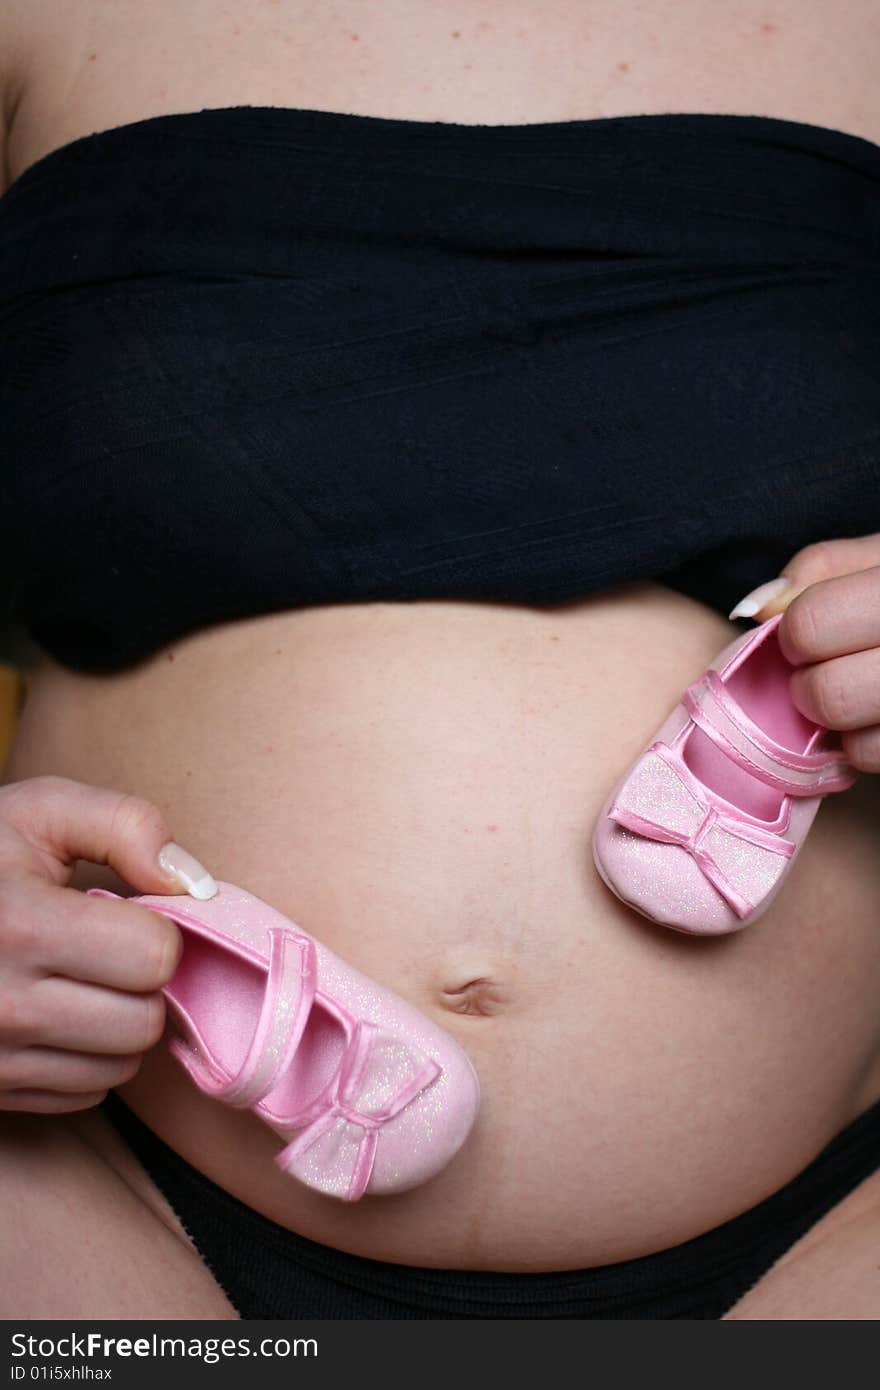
368, 1093
703, 828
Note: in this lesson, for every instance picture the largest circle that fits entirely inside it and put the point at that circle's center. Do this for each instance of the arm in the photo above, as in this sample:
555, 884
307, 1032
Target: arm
13, 46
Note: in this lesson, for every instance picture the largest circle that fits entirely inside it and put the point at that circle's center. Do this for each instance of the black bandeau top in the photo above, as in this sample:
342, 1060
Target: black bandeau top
254, 358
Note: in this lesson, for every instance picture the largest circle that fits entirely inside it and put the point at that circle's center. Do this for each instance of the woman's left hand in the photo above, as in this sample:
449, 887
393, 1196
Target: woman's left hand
831, 633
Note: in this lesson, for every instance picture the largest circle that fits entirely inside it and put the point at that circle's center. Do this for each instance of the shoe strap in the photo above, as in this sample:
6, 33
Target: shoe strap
291, 982
284, 1013
714, 710
378, 1076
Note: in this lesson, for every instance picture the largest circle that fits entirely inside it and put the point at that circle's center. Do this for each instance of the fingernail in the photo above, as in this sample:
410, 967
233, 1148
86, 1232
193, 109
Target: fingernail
754, 602
188, 872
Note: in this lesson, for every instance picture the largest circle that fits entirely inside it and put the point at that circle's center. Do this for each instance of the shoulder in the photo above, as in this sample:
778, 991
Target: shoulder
41, 46
18, 21
14, 28
25, 27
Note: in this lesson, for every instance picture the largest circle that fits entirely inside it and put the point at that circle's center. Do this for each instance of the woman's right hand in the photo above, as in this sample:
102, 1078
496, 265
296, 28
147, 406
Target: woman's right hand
80, 976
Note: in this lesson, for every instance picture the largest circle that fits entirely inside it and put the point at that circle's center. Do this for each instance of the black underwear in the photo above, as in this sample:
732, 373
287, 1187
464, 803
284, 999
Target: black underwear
258, 358
269, 1272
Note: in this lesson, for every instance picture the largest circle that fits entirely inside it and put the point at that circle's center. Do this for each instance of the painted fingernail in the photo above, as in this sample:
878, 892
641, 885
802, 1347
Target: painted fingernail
176, 863
754, 602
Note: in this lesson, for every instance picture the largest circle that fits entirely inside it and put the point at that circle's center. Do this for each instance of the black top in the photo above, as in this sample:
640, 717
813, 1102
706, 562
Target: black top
253, 358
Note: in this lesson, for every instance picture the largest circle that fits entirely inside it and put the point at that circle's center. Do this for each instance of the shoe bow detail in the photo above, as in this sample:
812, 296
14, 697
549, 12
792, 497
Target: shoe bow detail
663, 800
378, 1077
734, 776
366, 1093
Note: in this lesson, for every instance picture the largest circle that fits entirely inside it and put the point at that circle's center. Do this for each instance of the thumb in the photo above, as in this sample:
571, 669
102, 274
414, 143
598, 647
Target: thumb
813, 564
63, 820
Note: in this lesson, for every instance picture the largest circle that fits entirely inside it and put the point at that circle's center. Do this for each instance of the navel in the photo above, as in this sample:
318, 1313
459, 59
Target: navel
480, 997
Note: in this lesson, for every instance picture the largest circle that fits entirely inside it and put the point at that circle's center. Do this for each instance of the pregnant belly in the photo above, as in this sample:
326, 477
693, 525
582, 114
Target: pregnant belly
416, 785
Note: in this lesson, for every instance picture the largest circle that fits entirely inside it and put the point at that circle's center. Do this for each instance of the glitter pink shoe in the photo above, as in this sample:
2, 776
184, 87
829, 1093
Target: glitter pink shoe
369, 1094
702, 830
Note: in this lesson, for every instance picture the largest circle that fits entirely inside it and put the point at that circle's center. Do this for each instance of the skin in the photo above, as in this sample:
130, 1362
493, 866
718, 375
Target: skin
830, 632
445, 854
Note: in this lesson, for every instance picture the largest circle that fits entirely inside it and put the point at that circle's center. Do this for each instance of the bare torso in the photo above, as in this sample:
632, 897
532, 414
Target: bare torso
417, 784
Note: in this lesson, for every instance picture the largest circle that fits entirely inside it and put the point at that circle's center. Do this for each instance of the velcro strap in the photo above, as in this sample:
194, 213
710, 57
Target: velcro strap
713, 709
